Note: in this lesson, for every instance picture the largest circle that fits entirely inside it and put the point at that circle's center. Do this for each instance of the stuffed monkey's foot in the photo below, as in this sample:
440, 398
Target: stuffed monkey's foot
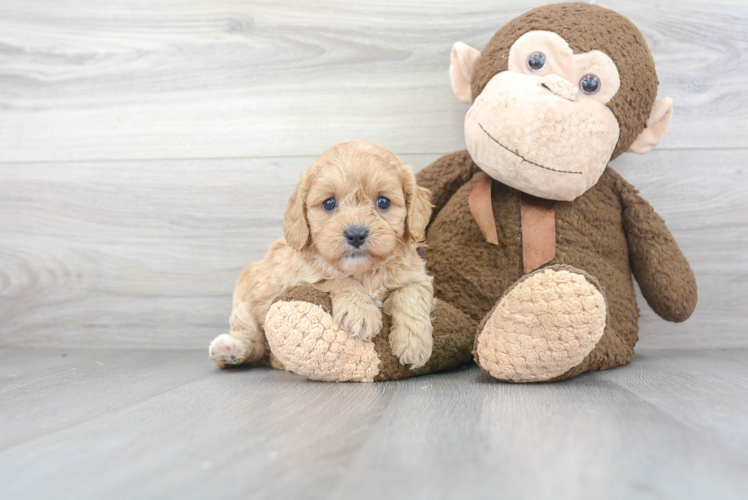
227, 350
542, 327
304, 337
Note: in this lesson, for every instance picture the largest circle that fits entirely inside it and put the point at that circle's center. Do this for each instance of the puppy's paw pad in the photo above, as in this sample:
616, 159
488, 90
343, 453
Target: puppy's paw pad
226, 350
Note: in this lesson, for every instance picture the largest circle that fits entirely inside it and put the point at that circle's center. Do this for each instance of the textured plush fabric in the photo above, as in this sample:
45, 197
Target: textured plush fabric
664, 276
594, 234
303, 336
586, 27
307, 293
534, 140
454, 334
543, 327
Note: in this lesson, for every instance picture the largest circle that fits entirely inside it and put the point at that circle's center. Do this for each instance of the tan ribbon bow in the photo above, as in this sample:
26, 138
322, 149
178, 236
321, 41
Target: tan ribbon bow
538, 224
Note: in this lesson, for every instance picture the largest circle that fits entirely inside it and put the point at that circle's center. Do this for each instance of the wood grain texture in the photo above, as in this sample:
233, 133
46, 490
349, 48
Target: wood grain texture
145, 79
667, 426
100, 249
145, 254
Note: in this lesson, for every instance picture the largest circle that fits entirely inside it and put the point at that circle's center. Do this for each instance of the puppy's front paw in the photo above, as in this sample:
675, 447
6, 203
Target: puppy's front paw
361, 320
412, 346
226, 350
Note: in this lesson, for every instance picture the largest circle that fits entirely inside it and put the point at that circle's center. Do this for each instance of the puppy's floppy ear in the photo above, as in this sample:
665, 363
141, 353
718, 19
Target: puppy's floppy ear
295, 225
418, 202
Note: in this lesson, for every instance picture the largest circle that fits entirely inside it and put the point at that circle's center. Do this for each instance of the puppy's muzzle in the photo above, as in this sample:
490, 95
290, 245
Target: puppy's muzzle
356, 236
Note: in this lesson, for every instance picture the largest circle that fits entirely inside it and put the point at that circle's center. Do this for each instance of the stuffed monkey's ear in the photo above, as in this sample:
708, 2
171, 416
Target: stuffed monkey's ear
418, 202
657, 125
462, 63
295, 225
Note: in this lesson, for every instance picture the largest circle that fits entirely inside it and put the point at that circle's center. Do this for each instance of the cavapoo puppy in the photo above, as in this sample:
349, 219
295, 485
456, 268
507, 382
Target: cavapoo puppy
351, 229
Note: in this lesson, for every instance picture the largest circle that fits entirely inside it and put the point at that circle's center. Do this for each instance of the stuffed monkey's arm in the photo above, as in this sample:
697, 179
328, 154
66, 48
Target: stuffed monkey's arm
445, 176
664, 275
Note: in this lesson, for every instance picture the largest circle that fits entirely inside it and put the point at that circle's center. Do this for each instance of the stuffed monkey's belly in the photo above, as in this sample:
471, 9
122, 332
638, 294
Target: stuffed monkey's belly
468, 272
472, 274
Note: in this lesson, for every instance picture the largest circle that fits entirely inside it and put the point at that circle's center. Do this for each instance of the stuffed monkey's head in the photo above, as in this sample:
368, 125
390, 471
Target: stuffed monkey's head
557, 93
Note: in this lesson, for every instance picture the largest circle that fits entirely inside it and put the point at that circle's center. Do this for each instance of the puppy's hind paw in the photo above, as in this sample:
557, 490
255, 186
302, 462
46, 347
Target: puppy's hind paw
226, 350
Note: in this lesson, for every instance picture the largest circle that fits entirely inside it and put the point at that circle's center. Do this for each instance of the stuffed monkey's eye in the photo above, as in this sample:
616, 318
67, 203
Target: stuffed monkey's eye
590, 84
329, 204
383, 203
536, 61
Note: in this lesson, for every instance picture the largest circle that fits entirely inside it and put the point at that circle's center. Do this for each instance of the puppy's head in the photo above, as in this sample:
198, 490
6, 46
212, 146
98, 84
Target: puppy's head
356, 206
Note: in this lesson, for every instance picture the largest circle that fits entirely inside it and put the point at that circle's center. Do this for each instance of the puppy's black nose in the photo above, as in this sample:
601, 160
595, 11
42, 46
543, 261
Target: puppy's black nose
356, 236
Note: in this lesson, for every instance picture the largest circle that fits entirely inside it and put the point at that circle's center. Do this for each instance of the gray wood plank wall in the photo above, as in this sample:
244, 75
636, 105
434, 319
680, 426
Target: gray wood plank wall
147, 148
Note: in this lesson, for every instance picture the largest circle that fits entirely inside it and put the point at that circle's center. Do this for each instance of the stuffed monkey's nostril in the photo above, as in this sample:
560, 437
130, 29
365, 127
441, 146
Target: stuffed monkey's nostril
356, 236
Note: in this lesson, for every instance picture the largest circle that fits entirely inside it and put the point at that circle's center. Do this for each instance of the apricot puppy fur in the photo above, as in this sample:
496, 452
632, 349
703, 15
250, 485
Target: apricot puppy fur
351, 229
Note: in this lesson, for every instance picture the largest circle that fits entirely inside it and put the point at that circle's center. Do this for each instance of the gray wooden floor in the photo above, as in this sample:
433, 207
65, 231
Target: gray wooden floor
113, 424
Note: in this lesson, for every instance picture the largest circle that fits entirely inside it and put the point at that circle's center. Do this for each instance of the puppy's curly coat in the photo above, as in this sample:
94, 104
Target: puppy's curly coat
352, 228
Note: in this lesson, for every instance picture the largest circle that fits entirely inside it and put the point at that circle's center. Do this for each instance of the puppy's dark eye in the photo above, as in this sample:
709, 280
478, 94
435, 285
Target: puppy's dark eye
329, 204
536, 61
590, 84
383, 203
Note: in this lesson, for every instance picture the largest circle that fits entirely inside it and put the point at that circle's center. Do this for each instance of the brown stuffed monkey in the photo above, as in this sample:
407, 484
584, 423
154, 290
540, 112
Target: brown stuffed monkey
533, 238
533, 235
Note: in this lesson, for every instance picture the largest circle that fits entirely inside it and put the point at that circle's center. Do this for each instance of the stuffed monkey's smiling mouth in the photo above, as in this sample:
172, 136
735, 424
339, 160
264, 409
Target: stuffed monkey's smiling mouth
525, 159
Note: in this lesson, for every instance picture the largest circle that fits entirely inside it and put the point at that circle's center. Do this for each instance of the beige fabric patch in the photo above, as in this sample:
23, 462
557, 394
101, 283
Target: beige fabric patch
542, 328
564, 65
308, 341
